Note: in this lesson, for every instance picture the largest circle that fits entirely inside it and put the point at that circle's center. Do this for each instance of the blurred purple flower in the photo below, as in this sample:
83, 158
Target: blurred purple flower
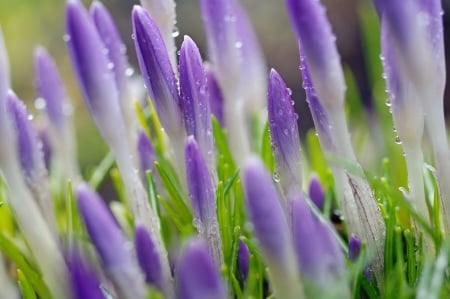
215, 95
111, 244
243, 260
197, 276
148, 257
316, 193
84, 281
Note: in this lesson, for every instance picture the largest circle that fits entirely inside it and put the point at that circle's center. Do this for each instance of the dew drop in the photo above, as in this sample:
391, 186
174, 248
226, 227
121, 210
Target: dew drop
397, 140
40, 103
289, 91
30, 116
110, 65
129, 72
66, 37
276, 177
238, 45
175, 32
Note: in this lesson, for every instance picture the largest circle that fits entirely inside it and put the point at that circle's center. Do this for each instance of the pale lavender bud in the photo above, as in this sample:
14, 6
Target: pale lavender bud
95, 77
271, 229
243, 260
316, 193
148, 257
318, 113
194, 99
203, 199
50, 88
157, 70
321, 259
317, 45
111, 244
197, 276
284, 134
215, 95
84, 281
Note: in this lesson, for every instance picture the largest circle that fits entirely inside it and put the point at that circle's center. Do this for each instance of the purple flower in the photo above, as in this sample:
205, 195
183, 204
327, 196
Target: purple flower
157, 70
354, 247
215, 95
243, 260
321, 260
197, 276
146, 152
148, 257
84, 281
317, 46
95, 76
194, 99
316, 193
203, 199
111, 244
271, 229
284, 134
50, 88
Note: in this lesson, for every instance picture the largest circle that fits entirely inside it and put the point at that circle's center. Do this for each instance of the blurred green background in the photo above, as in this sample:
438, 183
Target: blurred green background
27, 23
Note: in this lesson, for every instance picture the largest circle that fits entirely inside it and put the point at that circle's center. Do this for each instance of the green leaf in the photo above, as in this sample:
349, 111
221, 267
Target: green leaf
25, 287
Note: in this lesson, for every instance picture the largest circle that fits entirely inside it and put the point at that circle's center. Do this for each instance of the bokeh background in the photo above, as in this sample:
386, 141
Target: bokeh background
28, 23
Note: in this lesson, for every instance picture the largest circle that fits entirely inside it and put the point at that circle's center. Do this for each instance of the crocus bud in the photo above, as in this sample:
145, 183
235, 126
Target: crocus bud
194, 99
117, 55
316, 193
92, 67
243, 260
354, 247
31, 158
111, 244
157, 70
317, 45
271, 229
146, 152
84, 281
197, 276
215, 95
164, 14
51, 89
239, 67
203, 199
321, 260
148, 257
284, 134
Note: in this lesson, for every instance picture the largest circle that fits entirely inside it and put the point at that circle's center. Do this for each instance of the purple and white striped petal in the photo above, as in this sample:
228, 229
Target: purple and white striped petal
111, 244
148, 257
284, 134
84, 281
271, 229
164, 14
203, 198
197, 276
194, 99
318, 47
96, 78
157, 70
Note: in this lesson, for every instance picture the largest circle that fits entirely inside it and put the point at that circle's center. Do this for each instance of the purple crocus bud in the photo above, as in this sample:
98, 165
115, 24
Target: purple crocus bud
317, 45
243, 260
50, 88
197, 276
194, 99
354, 247
284, 134
95, 76
163, 12
316, 193
117, 55
84, 281
157, 71
146, 152
271, 229
239, 67
203, 199
321, 260
148, 257
215, 95
111, 244
31, 158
